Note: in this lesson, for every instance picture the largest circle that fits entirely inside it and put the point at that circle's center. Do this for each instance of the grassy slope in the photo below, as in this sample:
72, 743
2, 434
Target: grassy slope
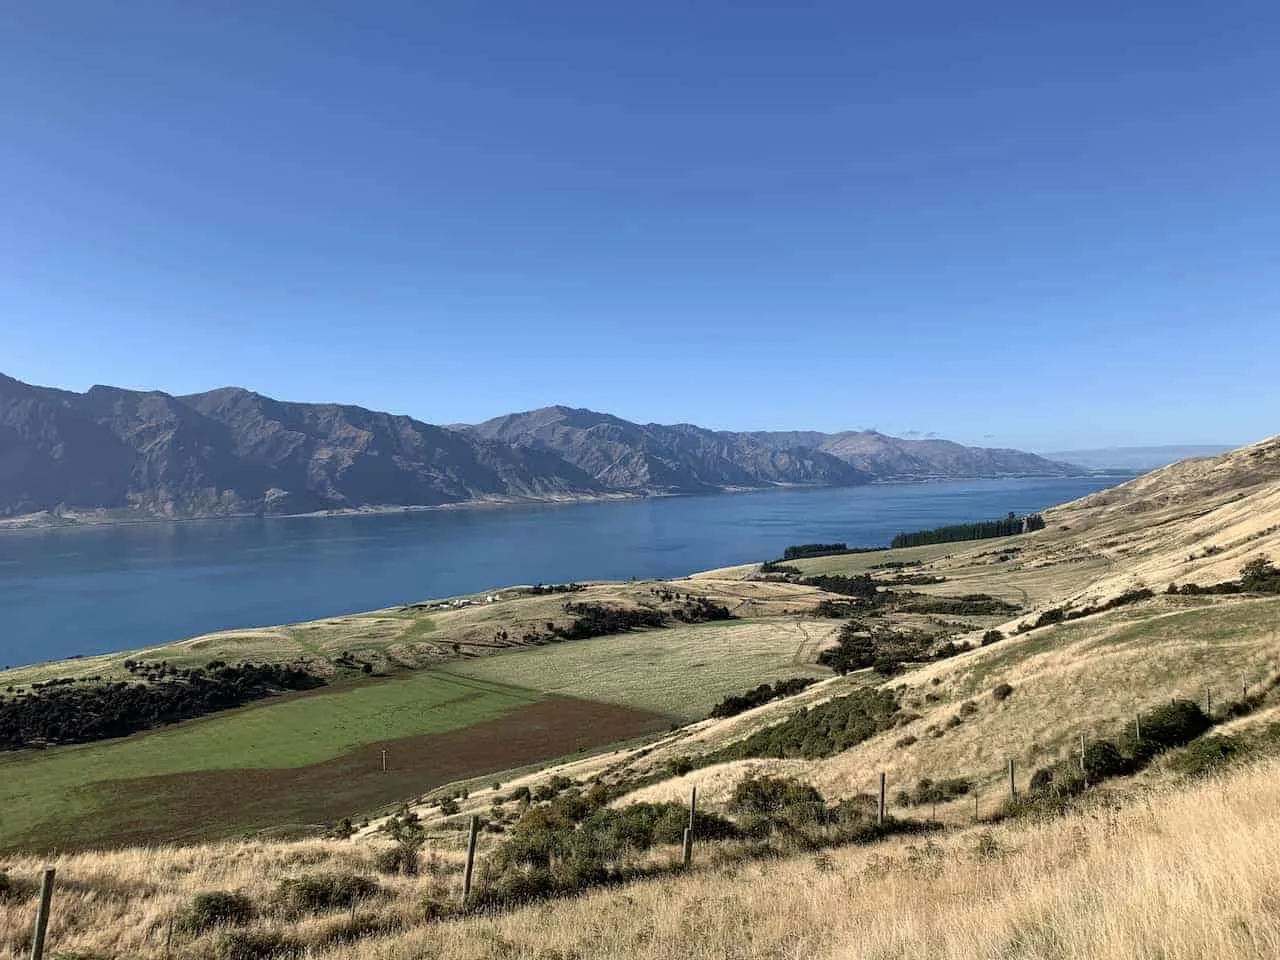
1187, 874
75, 782
681, 671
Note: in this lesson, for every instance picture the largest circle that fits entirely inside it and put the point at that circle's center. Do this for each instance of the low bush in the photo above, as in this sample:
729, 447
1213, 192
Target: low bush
215, 908
735, 704
255, 945
328, 891
6, 886
350, 929
396, 860
934, 791
1002, 691
1173, 725
991, 636
1103, 759
820, 730
1205, 755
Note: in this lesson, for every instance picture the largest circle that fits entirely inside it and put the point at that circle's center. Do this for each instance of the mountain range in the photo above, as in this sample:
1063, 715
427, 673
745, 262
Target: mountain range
231, 451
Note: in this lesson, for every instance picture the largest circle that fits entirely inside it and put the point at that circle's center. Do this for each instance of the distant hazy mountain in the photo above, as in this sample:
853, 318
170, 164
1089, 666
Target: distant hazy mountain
1135, 458
231, 451
619, 453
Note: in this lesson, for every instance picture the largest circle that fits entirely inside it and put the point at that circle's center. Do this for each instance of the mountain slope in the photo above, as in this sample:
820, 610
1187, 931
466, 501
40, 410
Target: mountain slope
686, 457
675, 459
890, 458
128, 453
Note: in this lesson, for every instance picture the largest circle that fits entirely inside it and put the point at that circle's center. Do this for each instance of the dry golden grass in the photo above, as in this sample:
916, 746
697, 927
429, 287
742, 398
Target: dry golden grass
1188, 872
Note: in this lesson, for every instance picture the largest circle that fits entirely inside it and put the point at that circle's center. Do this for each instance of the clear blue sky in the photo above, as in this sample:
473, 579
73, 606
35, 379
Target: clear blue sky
997, 222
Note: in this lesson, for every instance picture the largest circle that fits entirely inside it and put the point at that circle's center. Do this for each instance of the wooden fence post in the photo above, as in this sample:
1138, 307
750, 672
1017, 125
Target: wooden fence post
42, 914
1013, 784
384, 761
1082, 770
1208, 702
880, 812
1137, 726
686, 849
471, 858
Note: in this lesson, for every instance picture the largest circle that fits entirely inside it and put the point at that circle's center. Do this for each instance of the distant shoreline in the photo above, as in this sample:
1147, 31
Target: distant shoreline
42, 521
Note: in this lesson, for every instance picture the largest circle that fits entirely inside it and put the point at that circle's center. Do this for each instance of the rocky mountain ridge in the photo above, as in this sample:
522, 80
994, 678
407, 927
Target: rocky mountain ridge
232, 451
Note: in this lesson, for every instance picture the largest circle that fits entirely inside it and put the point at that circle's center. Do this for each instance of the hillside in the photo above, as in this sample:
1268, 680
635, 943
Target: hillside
690, 458
114, 454
1014, 649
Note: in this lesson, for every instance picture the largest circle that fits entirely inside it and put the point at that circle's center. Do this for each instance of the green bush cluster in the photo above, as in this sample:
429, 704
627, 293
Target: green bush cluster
821, 730
326, 891
735, 704
1169, 726
933, 791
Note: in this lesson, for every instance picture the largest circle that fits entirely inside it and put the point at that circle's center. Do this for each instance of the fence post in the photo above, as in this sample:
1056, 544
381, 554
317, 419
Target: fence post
1013, 784
1208, 702
471, 858
686, 850
1082, 770
42, 913
1137, 726
880, 811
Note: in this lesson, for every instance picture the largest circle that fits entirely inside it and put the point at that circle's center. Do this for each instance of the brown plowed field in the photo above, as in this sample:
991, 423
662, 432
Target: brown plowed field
226, 803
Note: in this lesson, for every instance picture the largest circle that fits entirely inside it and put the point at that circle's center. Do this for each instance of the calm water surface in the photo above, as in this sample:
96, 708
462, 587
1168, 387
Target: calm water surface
92, 590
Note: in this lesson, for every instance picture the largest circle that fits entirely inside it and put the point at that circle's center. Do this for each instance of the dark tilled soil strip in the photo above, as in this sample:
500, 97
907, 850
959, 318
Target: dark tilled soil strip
226, 803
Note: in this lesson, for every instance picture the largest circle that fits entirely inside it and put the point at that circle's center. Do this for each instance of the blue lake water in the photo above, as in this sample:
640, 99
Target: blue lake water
97, 589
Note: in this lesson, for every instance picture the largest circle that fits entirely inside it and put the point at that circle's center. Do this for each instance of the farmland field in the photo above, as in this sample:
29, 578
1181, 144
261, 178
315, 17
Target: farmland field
292, 761
681, 671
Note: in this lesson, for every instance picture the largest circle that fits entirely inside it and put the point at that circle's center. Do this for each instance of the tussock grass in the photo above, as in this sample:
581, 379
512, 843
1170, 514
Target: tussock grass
1188, 872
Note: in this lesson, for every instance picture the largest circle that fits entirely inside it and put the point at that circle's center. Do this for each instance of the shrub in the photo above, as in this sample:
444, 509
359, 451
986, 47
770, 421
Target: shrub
820, 730
215, 908
906, 741
521, 885
779, 800
328, 891
733, 705
1051, 616
1102, 759
347, 929
1205, 755
968, 708
1002, 692
396, 859
991, 636
1057, 782
344, 829
255, 945
1174, 725
448, 806
940, 791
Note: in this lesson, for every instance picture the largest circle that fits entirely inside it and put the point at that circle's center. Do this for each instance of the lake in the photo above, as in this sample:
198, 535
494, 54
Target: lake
97, 589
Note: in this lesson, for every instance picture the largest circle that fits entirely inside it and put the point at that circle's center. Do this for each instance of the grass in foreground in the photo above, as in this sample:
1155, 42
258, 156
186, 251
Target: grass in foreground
679, 671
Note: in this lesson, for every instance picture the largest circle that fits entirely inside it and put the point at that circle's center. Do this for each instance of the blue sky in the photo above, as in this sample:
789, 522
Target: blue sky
1039, 225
